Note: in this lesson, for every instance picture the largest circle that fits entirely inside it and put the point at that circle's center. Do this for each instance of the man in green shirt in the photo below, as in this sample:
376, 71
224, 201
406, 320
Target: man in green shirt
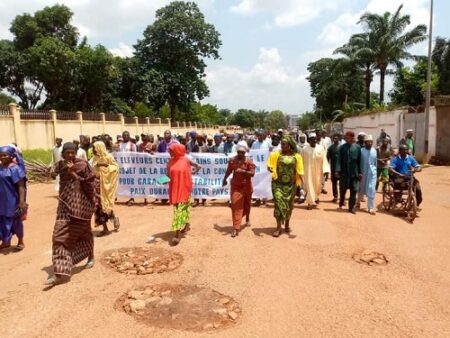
348, 170
332, 158
409, 141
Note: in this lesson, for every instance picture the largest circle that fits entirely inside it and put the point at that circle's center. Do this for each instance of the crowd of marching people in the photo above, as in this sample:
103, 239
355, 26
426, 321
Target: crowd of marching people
87, 177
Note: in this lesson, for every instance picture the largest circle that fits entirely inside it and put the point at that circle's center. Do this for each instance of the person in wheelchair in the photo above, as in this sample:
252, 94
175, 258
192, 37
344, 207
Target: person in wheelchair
401, 168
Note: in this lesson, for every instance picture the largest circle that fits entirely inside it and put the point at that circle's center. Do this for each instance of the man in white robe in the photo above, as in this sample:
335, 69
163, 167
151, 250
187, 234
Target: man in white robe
315, 164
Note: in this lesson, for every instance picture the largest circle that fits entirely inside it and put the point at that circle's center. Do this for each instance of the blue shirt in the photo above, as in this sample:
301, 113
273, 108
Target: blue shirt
9, 193
260, 145
403, 165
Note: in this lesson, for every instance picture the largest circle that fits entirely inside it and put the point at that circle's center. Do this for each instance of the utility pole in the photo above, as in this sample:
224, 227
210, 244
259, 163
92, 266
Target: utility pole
428, 98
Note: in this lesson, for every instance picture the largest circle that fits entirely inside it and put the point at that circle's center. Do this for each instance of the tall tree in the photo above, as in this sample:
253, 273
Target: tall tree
246, 118
360, 52
172, 53
334, 83
390, 40
410, 84
441, 58
39, 57
275, 120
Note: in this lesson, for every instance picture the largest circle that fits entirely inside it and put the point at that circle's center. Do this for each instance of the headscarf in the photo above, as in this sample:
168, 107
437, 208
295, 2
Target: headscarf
179, 171
300, 143
8, 150
290, 140
100, 149
14, 153
68, 146
241, 147
108, 176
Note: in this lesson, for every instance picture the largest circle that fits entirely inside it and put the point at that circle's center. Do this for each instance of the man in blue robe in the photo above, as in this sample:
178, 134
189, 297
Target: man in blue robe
368, 182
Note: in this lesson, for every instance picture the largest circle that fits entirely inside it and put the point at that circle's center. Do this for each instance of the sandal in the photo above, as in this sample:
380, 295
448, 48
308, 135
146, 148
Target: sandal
116, 223
234, 233
277, 233
103, 233
5, 246
54, 280
90, 264
20, 247
186, 228
175, 241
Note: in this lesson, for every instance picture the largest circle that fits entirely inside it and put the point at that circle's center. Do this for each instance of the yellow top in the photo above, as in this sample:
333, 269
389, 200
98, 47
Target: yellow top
108, 176
272, 164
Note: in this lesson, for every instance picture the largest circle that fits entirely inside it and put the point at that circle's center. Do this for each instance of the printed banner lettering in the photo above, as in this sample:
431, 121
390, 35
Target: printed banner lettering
139, 174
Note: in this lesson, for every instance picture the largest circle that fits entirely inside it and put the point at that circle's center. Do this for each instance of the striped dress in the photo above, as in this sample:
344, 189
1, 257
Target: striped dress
72, 236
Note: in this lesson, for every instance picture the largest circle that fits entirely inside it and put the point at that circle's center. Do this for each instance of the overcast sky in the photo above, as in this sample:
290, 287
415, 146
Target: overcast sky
267, 44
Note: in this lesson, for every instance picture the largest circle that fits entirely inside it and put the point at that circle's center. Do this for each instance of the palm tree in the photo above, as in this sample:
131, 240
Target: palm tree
359, 51
441, 58
390, 41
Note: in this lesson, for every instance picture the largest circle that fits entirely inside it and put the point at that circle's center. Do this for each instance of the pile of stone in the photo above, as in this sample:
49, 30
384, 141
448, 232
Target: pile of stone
142, 261
181, 307
370, 258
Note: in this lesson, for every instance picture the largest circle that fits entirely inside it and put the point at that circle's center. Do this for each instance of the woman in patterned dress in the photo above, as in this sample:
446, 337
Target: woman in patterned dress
243, 169
286, 166
72, 235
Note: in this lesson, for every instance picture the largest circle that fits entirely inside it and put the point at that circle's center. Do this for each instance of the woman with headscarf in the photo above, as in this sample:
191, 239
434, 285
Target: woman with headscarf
12, 198
243, 170
286, 166
106, 170
180, 188
72, 235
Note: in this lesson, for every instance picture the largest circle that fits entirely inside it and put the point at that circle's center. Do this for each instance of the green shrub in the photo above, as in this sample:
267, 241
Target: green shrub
42, 155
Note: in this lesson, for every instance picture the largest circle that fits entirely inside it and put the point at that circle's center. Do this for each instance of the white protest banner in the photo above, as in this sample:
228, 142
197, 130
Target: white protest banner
138, 174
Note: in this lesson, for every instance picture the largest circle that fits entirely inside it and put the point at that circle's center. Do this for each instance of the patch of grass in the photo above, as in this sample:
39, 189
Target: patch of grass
38, 155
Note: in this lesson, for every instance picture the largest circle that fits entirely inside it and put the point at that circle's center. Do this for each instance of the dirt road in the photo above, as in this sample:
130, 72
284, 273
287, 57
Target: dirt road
306, 284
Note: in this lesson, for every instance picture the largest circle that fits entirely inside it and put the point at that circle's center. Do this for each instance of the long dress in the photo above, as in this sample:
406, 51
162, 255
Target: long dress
108, 178
241, 189
369, 179
72, 235
180, 186
284, 187
10, 223
315, 164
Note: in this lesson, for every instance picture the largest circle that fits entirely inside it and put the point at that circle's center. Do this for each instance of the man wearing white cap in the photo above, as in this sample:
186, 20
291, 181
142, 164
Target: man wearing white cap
368, 183
314, 165
360, 141
408, 140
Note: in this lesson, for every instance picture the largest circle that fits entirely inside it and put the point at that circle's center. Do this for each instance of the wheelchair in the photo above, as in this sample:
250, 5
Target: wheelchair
399, 194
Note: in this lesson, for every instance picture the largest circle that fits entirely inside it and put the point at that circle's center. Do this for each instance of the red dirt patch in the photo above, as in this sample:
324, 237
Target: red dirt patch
180, 307
141, 261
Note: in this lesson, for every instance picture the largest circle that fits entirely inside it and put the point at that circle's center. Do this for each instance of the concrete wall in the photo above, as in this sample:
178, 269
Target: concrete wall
443, 132
35, 133
6, 129
395, 123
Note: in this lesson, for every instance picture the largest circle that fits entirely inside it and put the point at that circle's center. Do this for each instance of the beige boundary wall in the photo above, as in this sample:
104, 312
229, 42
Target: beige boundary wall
395, 123
38, 133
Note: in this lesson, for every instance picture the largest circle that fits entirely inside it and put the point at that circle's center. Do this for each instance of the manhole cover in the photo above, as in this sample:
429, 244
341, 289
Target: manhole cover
180, 307
370, 258
142, 261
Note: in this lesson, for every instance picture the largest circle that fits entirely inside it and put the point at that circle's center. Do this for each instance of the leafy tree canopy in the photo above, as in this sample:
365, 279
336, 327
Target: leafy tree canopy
171, 56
